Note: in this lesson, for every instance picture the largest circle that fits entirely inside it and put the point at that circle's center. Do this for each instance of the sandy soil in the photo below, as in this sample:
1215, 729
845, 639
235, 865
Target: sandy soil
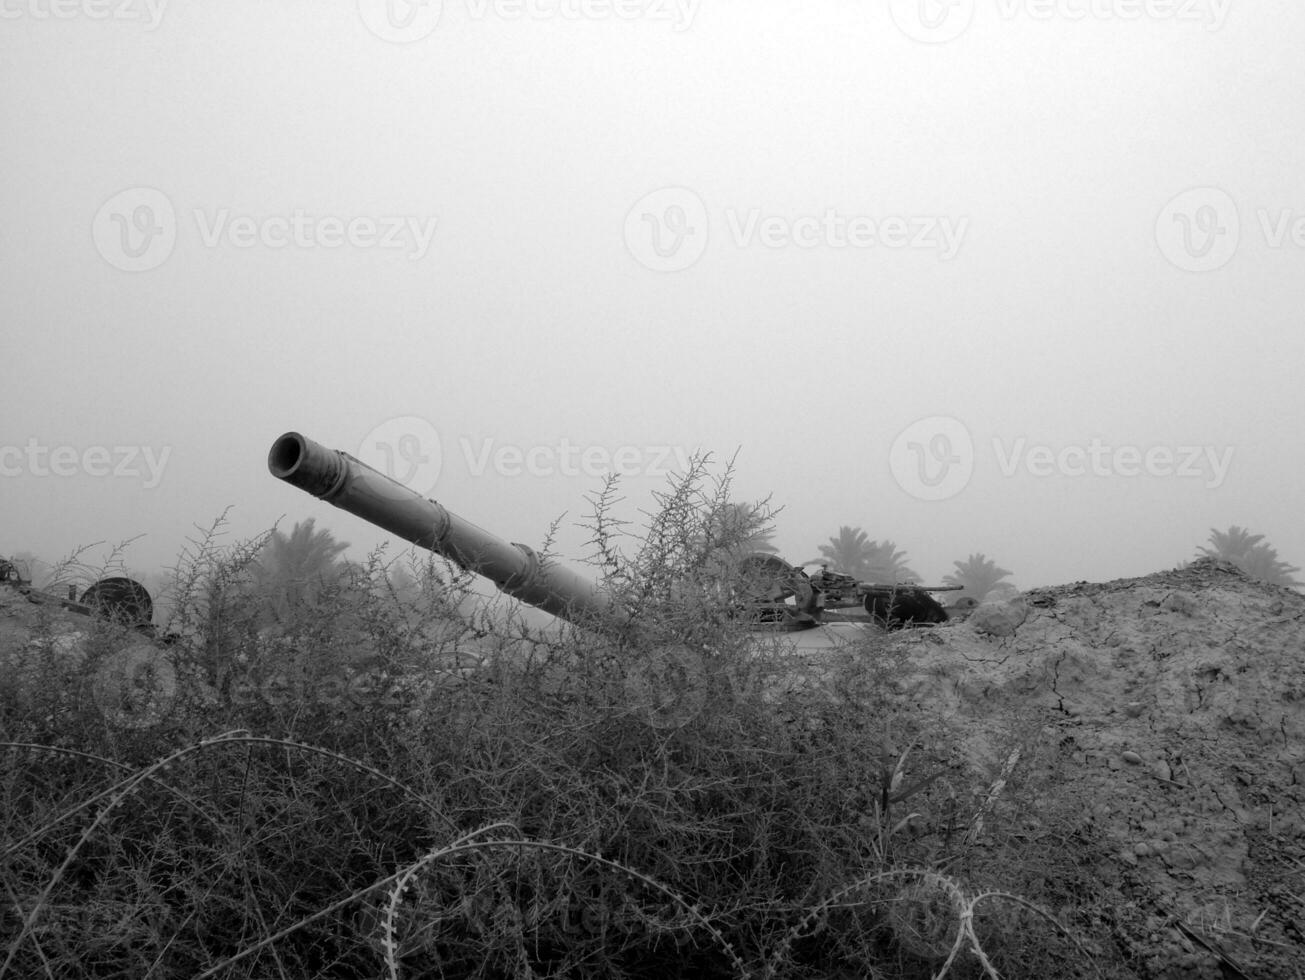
1174, 705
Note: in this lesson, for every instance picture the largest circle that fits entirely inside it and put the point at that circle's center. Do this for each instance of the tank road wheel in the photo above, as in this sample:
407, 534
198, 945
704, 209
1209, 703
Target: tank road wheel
122, 600
775, 592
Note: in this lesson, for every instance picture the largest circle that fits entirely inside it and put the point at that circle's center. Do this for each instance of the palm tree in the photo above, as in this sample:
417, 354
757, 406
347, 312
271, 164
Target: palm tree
1263, 563
1231, 545
405, 585
867, 561
292, 571
1249, 553
978, 577
888, 565
848, 553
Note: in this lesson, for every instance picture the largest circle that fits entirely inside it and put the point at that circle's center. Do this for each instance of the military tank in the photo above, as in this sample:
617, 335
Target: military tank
116, 598
822, 607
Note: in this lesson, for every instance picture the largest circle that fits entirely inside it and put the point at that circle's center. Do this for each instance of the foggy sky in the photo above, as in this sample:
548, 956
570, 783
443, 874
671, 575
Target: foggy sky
1032, 290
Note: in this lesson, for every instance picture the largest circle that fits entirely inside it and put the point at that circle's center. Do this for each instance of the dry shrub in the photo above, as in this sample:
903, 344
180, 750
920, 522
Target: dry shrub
408, 785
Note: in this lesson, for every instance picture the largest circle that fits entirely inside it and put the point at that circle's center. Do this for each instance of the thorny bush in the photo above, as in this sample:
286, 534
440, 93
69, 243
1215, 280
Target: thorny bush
407, 779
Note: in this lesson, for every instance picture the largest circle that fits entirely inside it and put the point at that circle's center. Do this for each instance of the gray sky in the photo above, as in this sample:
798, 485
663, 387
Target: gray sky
1011, 276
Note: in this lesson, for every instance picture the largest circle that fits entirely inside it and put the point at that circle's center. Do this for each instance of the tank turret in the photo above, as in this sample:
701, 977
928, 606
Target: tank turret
770, 591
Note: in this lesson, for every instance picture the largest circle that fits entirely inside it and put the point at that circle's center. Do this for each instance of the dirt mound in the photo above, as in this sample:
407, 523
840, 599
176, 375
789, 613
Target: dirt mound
1165, 714
68, 660
1174, 706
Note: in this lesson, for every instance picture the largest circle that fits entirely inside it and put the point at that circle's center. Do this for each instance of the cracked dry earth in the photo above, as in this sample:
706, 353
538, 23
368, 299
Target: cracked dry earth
1170, 711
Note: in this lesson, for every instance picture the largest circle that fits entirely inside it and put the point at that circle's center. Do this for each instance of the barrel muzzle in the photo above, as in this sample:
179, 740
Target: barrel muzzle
307, 465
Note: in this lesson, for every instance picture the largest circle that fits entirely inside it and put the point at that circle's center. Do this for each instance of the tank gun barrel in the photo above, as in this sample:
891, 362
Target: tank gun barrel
903, 586
515, 569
